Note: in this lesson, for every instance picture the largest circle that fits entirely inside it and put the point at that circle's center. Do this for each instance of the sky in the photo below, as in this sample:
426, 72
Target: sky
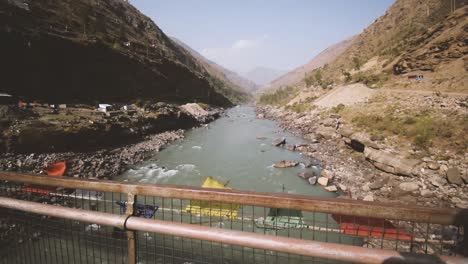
244, 34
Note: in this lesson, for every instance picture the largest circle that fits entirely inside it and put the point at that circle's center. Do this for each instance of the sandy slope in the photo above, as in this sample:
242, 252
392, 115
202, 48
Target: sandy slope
347, 95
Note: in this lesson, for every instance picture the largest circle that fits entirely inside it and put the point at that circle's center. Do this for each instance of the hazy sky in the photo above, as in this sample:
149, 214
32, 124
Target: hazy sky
244, 34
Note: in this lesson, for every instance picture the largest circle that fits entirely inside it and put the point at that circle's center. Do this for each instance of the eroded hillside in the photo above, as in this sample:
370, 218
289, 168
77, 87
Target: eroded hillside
412, 37
89, 51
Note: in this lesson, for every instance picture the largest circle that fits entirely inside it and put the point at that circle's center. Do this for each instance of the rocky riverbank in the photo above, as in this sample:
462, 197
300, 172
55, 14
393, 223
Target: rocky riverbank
147, 130
367, 169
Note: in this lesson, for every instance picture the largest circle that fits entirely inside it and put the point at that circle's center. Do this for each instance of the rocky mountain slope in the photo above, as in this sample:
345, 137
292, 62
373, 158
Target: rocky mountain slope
412, 37
89, 51
297, 75
237, 87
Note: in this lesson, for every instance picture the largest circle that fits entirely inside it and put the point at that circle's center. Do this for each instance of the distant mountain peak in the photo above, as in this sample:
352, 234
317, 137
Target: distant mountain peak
262, 75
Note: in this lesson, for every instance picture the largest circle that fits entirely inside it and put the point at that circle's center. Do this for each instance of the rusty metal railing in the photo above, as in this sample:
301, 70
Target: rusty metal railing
177, 235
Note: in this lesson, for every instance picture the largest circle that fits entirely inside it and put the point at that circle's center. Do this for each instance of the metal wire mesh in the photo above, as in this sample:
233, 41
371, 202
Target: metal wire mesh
369, 232
29, 238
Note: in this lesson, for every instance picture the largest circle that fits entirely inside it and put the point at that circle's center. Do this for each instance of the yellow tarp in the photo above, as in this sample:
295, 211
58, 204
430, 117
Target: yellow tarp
212, 208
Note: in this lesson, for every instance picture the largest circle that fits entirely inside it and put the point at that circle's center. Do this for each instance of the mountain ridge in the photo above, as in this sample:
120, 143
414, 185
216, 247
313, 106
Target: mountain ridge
232, 78
88, 51
295, 76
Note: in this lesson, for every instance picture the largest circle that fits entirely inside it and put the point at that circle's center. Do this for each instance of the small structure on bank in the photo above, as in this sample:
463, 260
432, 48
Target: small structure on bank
416, 77
104, 108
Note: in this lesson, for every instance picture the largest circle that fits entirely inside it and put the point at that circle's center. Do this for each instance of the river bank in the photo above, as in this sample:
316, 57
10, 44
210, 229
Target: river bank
366, 169
127, 139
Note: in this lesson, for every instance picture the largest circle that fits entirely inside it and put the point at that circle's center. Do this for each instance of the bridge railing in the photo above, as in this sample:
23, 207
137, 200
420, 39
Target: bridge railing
70, 220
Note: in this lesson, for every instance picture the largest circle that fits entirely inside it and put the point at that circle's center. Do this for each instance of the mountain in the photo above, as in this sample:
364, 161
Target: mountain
412, 37
239, 86
295, 76
234, 77
91, 51
263, 75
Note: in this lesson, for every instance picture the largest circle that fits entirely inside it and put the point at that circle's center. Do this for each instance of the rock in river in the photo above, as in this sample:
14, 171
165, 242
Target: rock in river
290, 147
331, 188
278, 142
323, 181
312, 180
286, 164
305, 175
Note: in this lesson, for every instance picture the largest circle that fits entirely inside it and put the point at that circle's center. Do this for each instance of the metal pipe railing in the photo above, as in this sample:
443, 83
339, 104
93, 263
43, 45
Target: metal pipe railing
444, 216
254, 240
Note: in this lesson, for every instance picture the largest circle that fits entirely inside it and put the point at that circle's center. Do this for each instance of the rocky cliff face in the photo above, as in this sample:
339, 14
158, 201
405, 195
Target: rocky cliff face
90, 51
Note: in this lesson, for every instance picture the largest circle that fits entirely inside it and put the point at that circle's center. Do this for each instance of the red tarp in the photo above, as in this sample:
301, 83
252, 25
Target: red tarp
373, 227
56, 170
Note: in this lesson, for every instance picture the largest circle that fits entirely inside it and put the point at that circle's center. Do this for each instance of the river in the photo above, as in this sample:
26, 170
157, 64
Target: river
229, 151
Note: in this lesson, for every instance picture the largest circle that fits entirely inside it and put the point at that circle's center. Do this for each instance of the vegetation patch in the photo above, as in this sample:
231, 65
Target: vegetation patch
370, 79
424, 129
278, 98
316, 78
301, 107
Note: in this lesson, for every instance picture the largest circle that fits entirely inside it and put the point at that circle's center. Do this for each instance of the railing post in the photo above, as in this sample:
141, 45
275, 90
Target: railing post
131, 199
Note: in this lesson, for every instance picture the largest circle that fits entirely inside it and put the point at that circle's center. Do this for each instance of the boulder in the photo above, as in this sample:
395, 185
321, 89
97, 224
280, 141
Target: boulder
433, 165
390, 163
311, 163
437, 181
327, 174
368, 198
305, 175
364, 140
323, 181
325, 132
195, 110
408, 186
453, 176
312, 180
261, 138
290, 147
286, 164
278, 142
366, 187
342, 187
331, 188
329, 122
346, 132
427, 193
379, 183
